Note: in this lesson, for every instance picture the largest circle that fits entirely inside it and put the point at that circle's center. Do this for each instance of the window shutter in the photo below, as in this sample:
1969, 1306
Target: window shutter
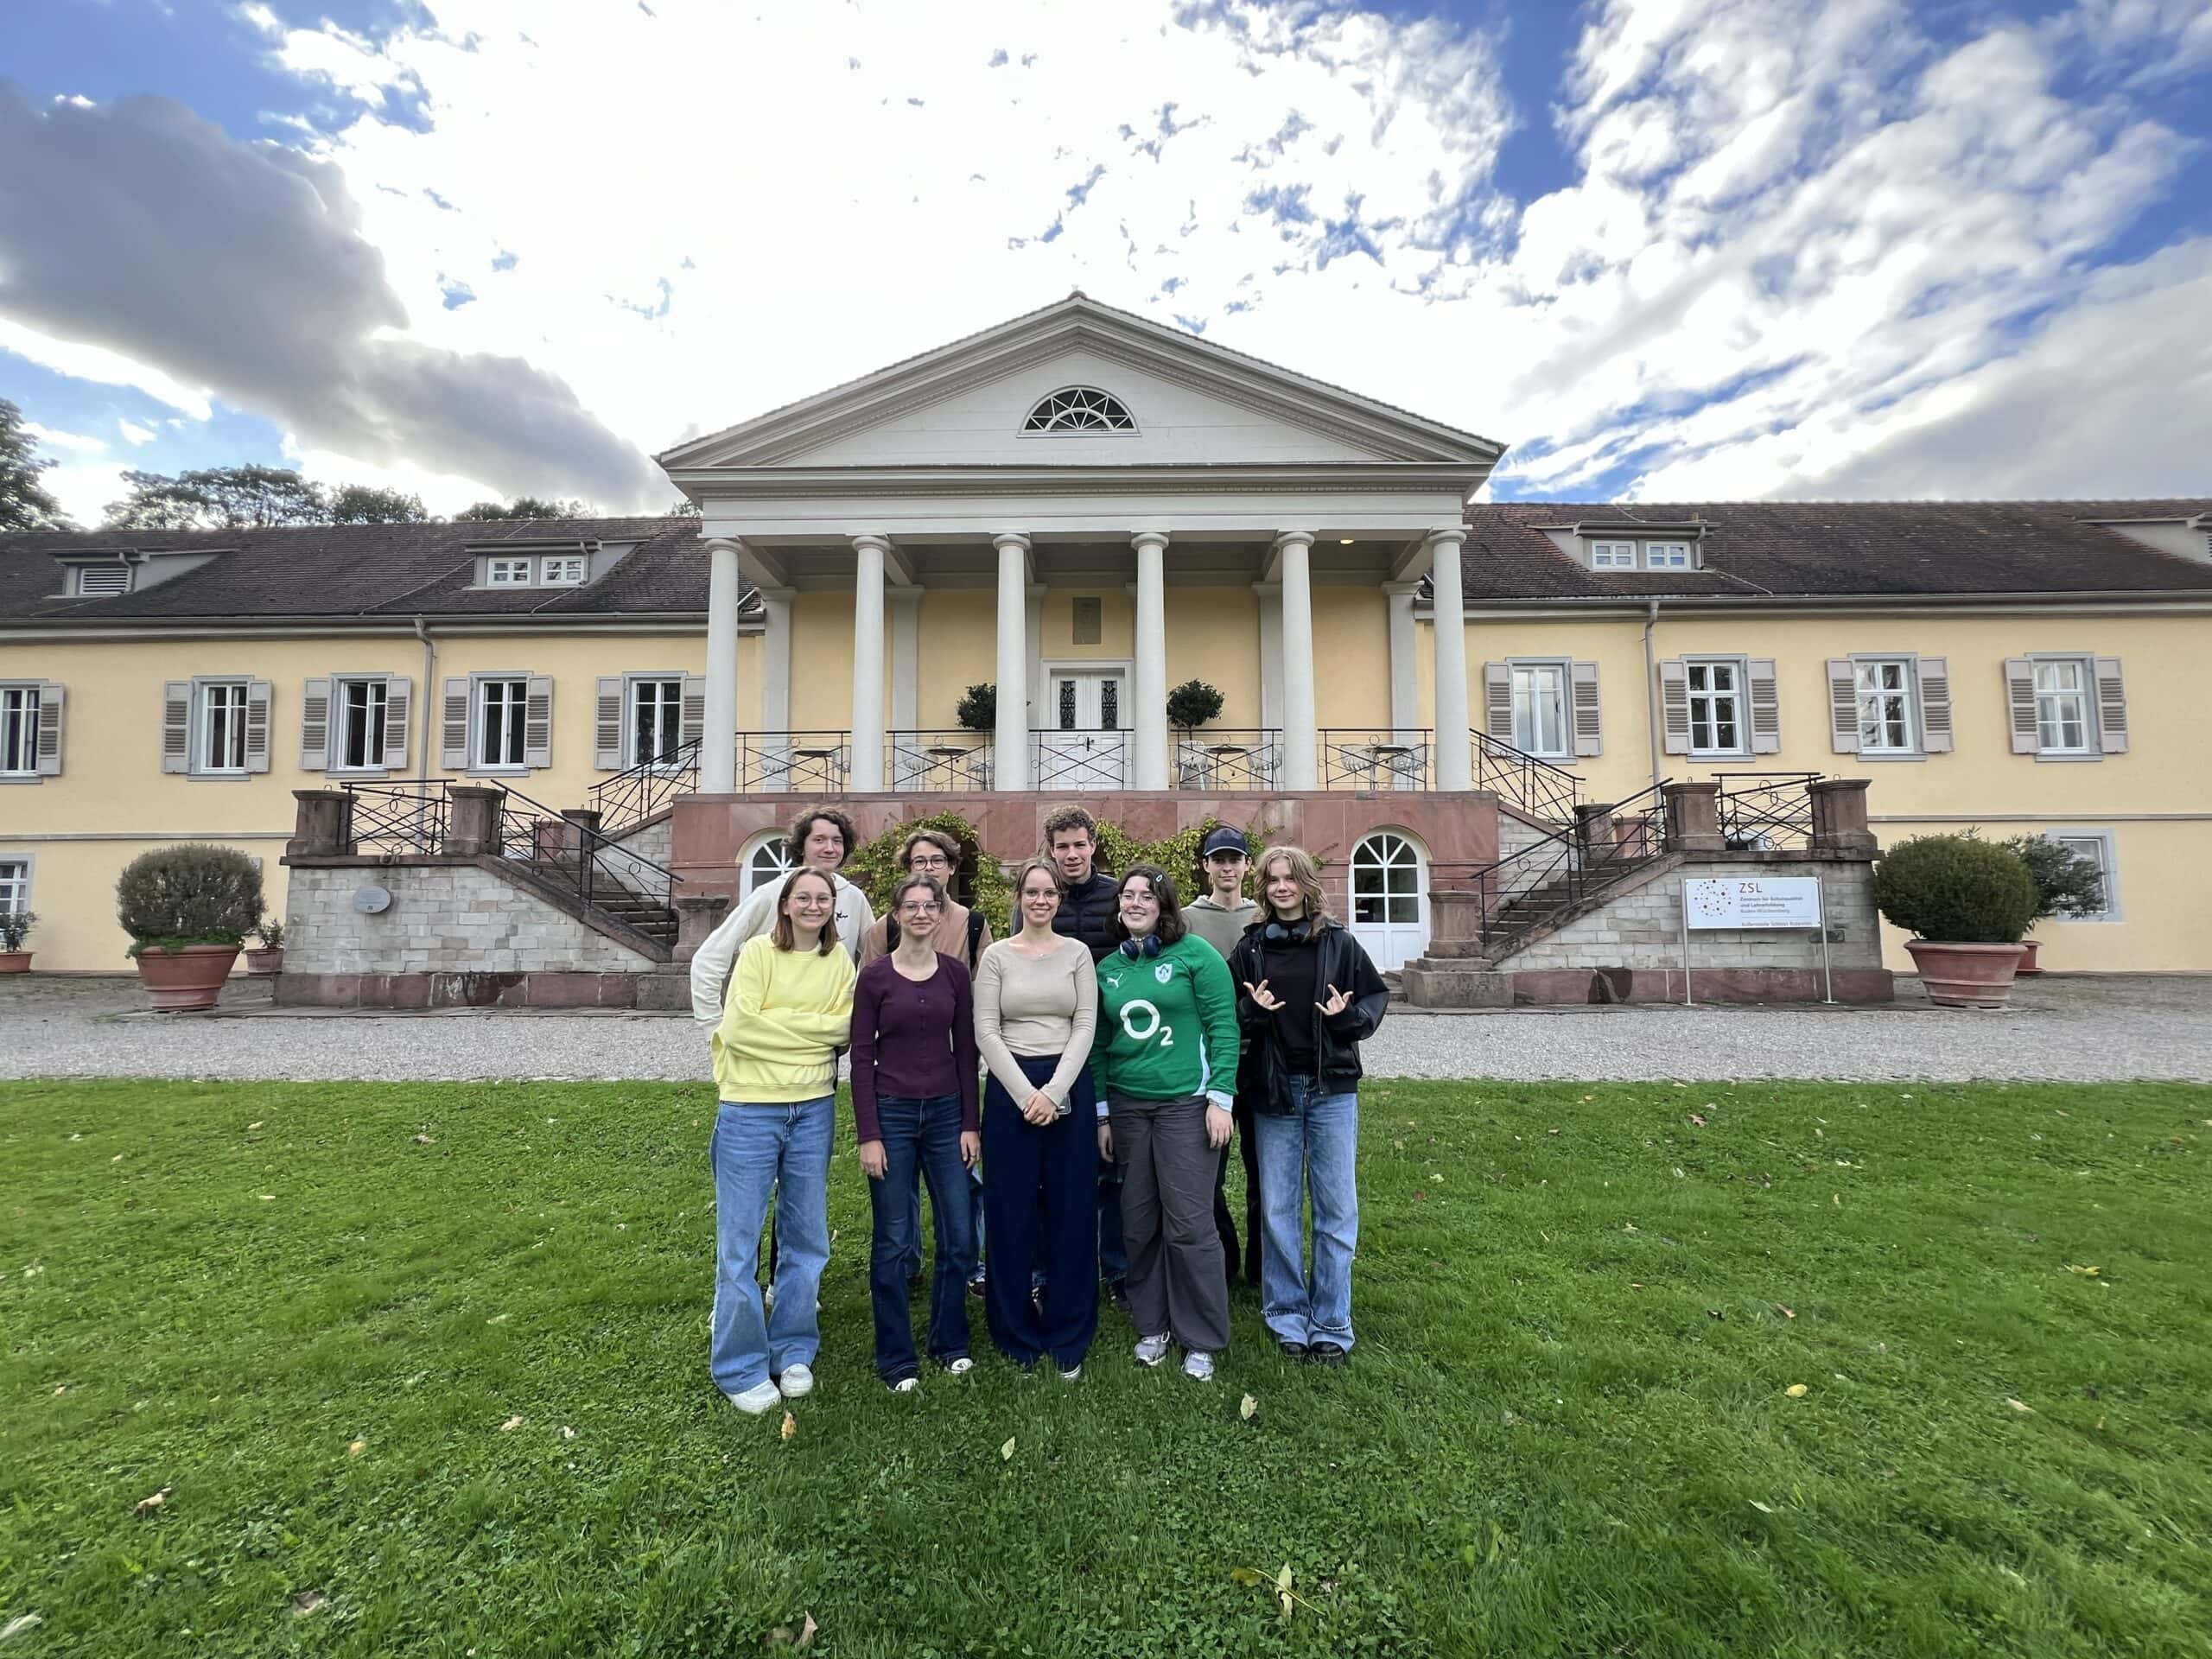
396, 688
1934, 674
1497, 701
177, 726
452, 740
2112, 706
695, 708
50, 703
2020, 702
607, 725
537, 722
1674, 705
1589, 729
258, 695
1766, 706
314, 726
1843, 705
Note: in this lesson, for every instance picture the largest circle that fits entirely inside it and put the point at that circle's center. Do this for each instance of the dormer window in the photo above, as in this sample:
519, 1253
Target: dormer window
507, 573
102, 580
561, 570
1612, 556
1666, 556
1079, 409
541, 563
1608, 553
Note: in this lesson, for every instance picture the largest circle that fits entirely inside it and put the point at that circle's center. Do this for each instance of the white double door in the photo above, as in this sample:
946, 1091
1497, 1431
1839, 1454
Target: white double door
1084, 744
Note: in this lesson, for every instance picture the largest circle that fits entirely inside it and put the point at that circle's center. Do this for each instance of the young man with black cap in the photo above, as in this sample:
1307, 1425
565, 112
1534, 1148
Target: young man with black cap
1220, 917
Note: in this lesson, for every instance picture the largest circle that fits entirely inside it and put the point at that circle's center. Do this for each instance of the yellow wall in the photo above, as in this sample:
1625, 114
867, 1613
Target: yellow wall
1352, 657
959, 648
1213, 634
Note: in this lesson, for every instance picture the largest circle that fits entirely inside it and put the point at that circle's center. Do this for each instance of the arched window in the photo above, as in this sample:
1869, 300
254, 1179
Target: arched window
769, 861
1079, 409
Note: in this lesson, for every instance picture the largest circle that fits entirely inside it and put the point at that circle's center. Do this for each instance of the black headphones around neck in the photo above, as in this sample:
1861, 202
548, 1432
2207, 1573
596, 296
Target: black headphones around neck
1149, 945
1295, 933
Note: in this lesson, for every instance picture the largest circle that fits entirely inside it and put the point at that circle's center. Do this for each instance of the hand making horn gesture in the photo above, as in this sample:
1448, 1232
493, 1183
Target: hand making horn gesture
1337, 1004
1261, 994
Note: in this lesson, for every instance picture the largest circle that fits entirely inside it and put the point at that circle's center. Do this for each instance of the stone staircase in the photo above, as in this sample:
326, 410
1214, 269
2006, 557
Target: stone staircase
608, 894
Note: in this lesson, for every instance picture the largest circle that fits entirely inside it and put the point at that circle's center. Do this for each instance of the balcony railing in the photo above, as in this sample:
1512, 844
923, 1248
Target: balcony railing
1354, 758
797, 763
629, 798
951, 762
1766, 811
1228, 762
1081, 761
407, 817
1537, 787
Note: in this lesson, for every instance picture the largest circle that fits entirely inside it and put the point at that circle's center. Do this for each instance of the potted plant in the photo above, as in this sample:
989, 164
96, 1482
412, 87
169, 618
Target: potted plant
2067, 884
1966, 902
14, 928
978, 708
1193, 703
188, 909
270, 959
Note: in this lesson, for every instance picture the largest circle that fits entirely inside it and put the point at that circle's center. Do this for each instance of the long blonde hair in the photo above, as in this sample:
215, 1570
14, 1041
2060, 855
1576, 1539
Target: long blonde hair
1305, 872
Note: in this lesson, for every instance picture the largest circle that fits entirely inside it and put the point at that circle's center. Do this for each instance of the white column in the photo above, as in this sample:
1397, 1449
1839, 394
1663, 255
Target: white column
1149, 685
906, 678
718, 735
1454, 751
1010, 746
1270, 594
868, 662
774, 743
1301, 741
1405, 693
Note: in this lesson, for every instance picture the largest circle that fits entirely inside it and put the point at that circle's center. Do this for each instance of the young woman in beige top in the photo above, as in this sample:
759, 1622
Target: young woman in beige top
1036, 1007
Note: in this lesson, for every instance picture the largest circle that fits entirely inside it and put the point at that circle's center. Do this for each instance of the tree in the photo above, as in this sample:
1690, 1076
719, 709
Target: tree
251, 496
685, 507
156, 502
365, 504
25, 504
522, 507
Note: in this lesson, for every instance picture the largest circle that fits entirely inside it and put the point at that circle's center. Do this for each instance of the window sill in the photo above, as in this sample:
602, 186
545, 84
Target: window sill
2068, 757
24, 777
219, 777
496, 771
1882, 755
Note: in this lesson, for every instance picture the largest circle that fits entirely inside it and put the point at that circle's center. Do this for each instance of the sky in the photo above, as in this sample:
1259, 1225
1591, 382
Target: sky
1664, 250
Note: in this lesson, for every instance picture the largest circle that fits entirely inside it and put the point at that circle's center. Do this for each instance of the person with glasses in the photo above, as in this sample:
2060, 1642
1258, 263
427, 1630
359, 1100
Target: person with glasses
915, 1112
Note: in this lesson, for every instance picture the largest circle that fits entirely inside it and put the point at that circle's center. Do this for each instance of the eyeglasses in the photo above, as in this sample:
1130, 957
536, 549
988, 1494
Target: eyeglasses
919, 907
928, 861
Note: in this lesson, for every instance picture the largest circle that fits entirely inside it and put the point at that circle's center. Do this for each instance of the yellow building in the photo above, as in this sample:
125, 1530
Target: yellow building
1091, 510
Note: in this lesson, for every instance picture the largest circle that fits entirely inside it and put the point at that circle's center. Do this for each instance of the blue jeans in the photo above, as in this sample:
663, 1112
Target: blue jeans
921, 1142
1314, 1150
759, 1151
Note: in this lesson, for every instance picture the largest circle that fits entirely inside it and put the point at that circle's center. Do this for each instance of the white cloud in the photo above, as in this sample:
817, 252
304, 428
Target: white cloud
50, 438
82, 490
136, 432
84, 361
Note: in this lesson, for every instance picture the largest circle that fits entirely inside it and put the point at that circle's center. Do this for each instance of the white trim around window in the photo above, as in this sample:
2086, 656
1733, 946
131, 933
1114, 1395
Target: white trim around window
18, 877
1612, 556
219, 723
497, 705
1543, 705
19, 721
2066, 706
2098, 844
367, 715
1886, 687
1667, 556
1720, 701
562, 570
509, 571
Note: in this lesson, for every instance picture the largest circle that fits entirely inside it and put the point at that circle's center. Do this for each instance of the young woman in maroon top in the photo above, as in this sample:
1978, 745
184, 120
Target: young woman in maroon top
914, 1106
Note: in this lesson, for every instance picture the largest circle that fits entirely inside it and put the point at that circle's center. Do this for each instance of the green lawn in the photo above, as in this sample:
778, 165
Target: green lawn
1568, 1429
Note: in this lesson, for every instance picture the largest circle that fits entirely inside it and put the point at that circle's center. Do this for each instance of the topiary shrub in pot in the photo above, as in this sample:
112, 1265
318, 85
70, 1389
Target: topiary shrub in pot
188, 909
2067, 884
268, 960
1966, 902
15, 927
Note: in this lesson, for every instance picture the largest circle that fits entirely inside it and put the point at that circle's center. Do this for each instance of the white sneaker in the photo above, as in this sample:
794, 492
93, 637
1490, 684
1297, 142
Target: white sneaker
906, 1385
1151, 1350
797, 1380
959, 1367
755, 1399
1071, 1373
1199, 1366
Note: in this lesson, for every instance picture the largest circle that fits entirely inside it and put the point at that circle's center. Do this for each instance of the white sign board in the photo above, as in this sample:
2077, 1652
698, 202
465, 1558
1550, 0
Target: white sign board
1785, 901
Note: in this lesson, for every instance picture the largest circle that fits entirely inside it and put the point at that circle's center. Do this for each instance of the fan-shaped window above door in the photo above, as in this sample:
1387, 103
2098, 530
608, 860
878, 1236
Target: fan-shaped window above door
1079, 409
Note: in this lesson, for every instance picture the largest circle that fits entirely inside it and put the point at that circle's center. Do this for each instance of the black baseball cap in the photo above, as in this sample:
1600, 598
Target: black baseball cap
1225, 840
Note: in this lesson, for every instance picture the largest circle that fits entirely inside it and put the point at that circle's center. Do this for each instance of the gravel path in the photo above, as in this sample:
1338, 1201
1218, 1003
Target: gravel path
2061, 1029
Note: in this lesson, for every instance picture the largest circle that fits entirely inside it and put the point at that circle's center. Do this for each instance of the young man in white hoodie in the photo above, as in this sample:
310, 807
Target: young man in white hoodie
824, 840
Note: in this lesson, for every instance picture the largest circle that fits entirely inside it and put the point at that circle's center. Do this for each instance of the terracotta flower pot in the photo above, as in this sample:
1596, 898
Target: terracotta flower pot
189, 977
2028, 950
15, 961
264, 963
1965, 975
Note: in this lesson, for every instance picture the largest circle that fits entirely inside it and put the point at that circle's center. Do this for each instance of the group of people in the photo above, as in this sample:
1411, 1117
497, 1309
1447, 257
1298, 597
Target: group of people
1069, 1093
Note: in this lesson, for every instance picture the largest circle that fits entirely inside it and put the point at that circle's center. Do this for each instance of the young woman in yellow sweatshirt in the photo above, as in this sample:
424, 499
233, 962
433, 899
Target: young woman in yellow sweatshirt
788, 1011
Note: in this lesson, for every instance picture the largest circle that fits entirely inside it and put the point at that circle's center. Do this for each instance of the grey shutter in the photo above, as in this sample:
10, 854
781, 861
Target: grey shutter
177, 726
2020, 703
607, 725
695, 708
1589, 726
1674, 705
2112, 706
258, 695
452, 737
314, 726
1843, 705
51, 702
1934, 676
1497, 701
1766, 706
396, 688
538, 721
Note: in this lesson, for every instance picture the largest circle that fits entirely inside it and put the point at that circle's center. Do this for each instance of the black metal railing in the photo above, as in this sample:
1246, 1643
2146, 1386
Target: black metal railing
406, 817
797, 763
1081, 760
629, 798
1520, 892
1766, 811
953, 761
1227, 761
583, 858
1374, 758
1537, 786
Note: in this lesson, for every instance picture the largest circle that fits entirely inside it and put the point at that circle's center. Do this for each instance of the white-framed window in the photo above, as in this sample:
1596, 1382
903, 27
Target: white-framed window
656, 719
15, 884
1886, 705
1540, 718
359, 707
2096, 846
770, 860
18, 731
1666, 556
501, 704
2066, 721
1612, 556
561, 570
1080, 409
507, 572
218, 727
1716, 698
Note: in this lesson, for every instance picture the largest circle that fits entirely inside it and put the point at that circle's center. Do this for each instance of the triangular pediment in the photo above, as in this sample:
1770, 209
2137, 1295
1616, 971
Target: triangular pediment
1190, 401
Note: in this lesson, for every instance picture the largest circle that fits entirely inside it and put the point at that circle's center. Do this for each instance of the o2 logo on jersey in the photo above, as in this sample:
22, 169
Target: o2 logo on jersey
1154, 1026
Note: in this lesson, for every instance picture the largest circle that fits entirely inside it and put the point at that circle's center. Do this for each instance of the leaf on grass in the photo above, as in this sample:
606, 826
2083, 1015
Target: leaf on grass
17, 1626
1714, 1313
1796, 1390
146, 1506
269, 1198
568, 1433
423, 1141
791, 1425
1246, 1406
1785, 1310
1250, 1578
61, 1387
308, 1601
2020, 1406
1419, 1197
1764, 1508
512, 1424
498, 1318
2087, 1273
806, 1632
1697, 1120
354, 1448
1005, 1451
1551, 1131
253, 1126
